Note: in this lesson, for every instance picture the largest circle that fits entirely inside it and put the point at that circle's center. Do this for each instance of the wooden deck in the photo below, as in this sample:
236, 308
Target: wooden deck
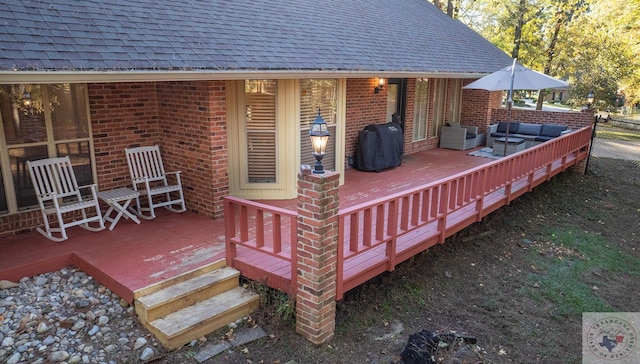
126, 259
379, 229
385, 218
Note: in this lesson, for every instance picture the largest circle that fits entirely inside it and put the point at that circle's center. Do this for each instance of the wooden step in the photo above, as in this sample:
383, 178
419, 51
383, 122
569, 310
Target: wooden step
187, 324
186, 293
221, 263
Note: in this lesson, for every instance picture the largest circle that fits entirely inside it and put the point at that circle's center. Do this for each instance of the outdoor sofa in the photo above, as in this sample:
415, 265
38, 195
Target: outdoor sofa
533, 134
460, 137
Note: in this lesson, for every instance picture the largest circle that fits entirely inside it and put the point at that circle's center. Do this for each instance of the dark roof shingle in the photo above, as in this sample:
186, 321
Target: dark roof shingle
297, 35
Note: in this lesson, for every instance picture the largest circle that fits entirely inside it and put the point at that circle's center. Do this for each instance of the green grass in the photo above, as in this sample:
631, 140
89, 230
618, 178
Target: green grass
567, 261
620, 135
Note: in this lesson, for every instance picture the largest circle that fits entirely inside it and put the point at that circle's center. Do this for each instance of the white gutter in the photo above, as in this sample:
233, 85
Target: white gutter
17, 77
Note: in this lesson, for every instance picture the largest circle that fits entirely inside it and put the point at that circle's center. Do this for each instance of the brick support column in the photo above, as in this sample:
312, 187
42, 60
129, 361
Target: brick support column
580, 167
317, 256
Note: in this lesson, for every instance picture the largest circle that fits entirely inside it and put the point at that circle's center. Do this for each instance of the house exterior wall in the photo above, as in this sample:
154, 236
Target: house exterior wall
186, 119
478, 105
122, 115
363, 107
193, 134
574, 120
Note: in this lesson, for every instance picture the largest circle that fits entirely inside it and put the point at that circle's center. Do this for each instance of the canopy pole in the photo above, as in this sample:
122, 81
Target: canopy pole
509, 105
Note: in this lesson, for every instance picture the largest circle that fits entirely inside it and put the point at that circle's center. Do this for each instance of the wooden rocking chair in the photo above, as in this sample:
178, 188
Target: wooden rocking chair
150, 179
58, 193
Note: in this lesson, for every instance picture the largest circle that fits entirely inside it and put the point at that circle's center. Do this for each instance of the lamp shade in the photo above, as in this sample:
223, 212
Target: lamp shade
26, 99
319, 135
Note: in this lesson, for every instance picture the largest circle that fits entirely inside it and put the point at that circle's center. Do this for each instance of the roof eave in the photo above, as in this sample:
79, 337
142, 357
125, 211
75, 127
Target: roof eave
18, 77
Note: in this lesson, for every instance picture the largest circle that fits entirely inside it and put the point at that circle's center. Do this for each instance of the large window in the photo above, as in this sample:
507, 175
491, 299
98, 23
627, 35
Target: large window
439, 104
455, 90
260, 130
421, 111
41, 121
318, 95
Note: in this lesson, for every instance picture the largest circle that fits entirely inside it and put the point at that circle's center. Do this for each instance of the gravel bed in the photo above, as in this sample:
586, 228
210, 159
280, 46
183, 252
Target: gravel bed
66, 316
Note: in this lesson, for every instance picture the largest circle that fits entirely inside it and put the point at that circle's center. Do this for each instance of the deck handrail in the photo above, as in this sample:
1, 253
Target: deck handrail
399, 214
433, 211
238, 231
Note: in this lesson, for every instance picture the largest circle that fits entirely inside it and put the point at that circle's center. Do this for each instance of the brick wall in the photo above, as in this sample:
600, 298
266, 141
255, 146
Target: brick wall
192, 122
187, 120
19, 223
574, 119
122, 115
364, 107
478, 105
317, 256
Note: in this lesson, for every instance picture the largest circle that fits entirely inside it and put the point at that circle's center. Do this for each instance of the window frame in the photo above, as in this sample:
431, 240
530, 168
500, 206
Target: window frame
421, 111
439, 106
306, 156
51, 143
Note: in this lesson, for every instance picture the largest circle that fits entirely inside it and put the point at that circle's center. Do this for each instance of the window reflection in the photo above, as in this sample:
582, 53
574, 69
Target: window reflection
69, 116
42, 121
80, 157
22, 124
21, 180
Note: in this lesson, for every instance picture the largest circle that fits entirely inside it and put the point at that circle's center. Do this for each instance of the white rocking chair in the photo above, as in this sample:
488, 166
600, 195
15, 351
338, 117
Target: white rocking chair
58, 193
150, 179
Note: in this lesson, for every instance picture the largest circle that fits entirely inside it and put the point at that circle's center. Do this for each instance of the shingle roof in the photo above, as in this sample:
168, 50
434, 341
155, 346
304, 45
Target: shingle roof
295, 35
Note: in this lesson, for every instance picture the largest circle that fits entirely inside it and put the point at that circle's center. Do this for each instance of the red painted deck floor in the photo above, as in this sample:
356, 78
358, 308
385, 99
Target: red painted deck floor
134, 256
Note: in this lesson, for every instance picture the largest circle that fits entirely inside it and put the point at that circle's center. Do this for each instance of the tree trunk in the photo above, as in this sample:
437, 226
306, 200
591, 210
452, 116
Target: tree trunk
517, 37
563, 17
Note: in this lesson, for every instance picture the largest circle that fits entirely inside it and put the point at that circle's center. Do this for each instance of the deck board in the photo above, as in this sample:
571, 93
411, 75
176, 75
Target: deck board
133, 256
412, 235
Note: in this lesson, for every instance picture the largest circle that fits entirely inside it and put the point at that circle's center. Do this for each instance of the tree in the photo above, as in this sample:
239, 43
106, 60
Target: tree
593, 43
601, 53
452, 7
564, 13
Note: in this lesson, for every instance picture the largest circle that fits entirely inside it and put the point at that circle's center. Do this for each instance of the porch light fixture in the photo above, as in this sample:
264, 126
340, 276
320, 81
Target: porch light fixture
319, 135
27, 102
590, 98
380, 86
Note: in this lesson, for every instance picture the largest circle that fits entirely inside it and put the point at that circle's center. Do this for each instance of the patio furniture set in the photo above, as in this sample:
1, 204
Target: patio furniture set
460, 137
519, 137
58, 193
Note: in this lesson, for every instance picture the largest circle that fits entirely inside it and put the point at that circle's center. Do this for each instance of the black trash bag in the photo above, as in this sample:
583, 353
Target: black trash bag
422, 347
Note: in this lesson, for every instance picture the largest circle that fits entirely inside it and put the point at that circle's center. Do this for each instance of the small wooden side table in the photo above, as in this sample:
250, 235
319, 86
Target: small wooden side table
118, 201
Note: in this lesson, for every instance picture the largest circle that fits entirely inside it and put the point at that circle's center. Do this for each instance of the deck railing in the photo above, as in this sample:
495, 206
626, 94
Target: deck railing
399, 226
261, 228
377, 235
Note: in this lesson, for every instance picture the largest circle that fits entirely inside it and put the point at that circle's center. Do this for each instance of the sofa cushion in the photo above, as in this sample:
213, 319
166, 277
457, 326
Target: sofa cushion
513, 127
529, 129
470, 136
551, 130
525, 136
541, 138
